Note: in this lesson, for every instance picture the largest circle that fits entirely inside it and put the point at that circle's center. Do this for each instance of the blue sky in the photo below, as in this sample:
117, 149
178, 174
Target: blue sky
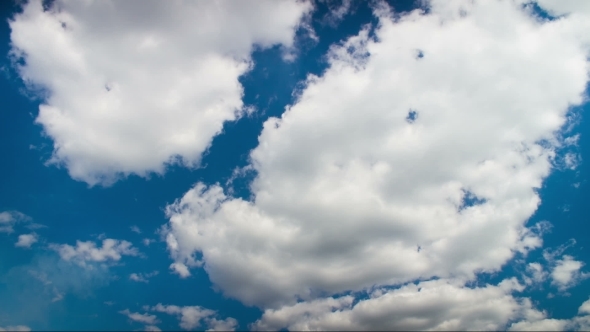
220, 166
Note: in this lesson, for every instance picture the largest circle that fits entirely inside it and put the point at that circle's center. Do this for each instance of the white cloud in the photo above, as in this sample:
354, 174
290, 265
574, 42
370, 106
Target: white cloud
190, 316
430, 305
152, 328
337, 11
537, 321
142, 277
535, 274
86, 251
564, 7
147, 242
566, 273
180, 269
351, 194
140, 318
228, 324
26, 240
135, 229
15, 328
131, 91
563, 270
9, 218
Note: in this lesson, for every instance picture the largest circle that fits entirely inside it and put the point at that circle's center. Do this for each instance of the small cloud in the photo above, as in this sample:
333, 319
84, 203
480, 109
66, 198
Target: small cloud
566, 273
180, 269
135, 229
109, 303
147, 241
141, 318
142, 277
152, 328
9, 218
190, 316
26, 240
111, 251
536, 274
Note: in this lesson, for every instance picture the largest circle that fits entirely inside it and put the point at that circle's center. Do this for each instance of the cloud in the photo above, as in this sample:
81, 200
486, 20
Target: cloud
135, 229
564, 7
563, 270
349, 194
146, 242
141, 318
26, 240
9, 218
15, 328
430, 305
130, 91
535, 274
152, 328
86, 251
228, 324
142, 277
191, 317
180, 269
537, 321
566, 273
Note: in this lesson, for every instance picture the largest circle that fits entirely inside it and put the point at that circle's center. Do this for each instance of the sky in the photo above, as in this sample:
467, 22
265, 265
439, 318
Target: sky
294, 165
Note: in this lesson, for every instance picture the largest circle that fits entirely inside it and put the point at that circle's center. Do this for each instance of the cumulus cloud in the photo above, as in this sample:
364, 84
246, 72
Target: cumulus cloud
26, 240
142, 277
429, 305
566, 273
130, 91
192, 317
537, 321
86, 251
9, 218
140, 318
135, 229
180, 269
417, 154
563, 270
228, 324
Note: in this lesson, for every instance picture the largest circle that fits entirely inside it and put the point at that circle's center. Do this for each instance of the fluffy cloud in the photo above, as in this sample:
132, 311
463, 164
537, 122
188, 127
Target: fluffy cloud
142, 277
130, 87
537, 321
566, 273
191, 317
417, 154
228, 324
141, 318
563, 270
9, 218
26, 240
86, 251
430, 305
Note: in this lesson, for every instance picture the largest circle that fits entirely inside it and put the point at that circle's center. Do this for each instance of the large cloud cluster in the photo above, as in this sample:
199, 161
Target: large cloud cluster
417, 155
133, 86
